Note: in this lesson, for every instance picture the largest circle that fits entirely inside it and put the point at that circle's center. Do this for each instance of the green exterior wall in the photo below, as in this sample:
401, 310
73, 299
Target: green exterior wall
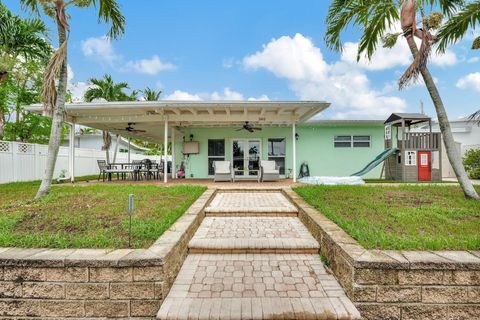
315, 145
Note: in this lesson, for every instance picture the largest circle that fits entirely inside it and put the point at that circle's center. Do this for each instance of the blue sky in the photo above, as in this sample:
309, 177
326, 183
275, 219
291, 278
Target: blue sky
258, 50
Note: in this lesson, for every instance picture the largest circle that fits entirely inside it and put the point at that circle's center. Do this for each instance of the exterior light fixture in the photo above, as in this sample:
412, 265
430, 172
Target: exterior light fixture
297, 136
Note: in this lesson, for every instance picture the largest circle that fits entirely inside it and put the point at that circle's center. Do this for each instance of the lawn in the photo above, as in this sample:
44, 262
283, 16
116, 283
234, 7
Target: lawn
401, 217
92, 216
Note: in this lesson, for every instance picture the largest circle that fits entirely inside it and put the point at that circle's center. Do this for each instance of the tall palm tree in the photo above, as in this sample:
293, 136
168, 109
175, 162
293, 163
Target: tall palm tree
374, 18
56, 75
108, 90
25, 38
151, 94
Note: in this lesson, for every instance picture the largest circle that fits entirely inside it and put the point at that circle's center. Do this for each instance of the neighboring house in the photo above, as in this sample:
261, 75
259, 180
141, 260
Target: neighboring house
467, 136
95, 141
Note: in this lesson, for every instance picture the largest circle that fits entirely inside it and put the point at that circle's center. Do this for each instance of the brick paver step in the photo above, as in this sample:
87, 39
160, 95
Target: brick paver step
256, 286
237, 203
253, 235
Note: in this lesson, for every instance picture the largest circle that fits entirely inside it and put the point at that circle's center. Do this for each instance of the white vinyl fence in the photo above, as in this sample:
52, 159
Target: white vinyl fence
26, 161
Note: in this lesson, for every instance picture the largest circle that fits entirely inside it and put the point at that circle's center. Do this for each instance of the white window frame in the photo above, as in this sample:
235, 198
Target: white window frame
352, 141
410, 161
388, 132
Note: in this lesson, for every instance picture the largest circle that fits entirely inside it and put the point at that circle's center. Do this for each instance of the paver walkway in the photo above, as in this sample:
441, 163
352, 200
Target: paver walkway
249, 261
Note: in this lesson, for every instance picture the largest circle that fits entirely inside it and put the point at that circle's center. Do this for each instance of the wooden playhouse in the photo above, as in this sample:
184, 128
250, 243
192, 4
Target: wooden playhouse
418, 156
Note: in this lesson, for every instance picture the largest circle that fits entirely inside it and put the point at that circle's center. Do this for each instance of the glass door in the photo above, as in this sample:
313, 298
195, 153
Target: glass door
246, 155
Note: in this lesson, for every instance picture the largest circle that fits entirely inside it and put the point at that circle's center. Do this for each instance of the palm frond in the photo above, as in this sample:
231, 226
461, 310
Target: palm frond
475, 117
109, 12
458, 25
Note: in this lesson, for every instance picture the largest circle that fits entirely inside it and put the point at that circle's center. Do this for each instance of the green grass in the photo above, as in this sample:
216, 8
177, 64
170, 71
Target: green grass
401, 217
406, 182
89, 216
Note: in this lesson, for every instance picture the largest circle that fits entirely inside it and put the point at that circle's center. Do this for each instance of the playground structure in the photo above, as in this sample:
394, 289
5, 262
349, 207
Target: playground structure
409, 156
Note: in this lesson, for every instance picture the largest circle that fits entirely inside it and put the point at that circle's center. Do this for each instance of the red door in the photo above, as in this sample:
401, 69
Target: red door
424, 166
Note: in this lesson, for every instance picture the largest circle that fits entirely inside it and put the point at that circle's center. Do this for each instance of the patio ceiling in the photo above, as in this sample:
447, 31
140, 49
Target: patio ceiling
151, 115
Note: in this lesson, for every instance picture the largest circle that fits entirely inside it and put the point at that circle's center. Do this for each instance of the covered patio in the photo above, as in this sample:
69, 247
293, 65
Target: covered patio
165, 122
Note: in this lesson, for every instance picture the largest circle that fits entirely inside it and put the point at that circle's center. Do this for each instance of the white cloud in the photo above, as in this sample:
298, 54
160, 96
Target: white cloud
470, 81
226, 94
383, 58
447, 59
99, 48
149, 66
473, 60
183, 95
77, 89
102, 50
228, 63
297, 60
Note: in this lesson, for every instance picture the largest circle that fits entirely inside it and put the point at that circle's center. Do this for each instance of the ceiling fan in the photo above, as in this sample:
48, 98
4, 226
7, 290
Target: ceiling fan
130, 128
249, 127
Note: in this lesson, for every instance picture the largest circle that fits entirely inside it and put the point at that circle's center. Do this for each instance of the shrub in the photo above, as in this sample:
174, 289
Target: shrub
471, 161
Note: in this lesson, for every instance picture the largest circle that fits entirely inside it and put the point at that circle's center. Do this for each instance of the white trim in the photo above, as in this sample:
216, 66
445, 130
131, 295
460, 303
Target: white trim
173, 153
71, 145
414, 158
245, 151
294, 153
283, 176
165, 151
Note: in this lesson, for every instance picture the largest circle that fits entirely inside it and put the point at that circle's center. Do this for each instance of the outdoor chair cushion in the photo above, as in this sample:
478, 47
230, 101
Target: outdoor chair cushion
269, 167
222, 167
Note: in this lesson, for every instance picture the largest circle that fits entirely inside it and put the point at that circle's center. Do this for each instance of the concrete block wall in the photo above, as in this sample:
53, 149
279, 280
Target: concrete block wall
398, 285
95, 283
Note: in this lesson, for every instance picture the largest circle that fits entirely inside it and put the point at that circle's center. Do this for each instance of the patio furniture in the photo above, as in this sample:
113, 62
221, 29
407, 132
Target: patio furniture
269, 170
223, 171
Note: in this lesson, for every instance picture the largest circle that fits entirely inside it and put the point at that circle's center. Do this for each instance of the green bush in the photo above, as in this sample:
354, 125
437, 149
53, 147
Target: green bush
472, 163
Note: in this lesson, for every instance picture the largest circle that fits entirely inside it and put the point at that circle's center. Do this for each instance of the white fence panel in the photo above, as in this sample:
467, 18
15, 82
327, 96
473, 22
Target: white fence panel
26, 162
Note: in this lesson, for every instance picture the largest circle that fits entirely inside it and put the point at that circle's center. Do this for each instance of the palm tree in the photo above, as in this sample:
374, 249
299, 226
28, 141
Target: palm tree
151, 94
459, 24
374, 18
475, 117
110, 91
56, 75
23, 38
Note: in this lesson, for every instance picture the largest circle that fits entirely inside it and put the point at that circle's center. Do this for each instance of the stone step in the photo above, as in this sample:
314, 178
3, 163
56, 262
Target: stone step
256, 286
253, 235
250, 203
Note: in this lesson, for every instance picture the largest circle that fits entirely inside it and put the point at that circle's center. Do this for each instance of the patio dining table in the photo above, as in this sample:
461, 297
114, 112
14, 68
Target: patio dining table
135, 169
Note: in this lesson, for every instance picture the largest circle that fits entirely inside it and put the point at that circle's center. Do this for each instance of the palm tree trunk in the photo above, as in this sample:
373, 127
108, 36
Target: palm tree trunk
2, 125
445, 129
57, 122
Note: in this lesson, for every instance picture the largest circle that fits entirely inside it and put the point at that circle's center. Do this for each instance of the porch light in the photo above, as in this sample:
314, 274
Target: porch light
191, 137
297, 136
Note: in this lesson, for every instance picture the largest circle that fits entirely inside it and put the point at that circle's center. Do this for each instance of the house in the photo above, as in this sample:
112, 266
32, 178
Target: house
94, 140
243, 132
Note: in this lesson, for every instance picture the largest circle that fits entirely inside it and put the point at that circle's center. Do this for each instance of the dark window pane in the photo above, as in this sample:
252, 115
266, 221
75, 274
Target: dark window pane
343, 144
343, 138
361, 138
276, 147
361, 144
216, 148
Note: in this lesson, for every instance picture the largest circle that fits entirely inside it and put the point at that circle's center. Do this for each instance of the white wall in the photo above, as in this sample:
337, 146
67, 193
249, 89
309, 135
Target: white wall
26, 162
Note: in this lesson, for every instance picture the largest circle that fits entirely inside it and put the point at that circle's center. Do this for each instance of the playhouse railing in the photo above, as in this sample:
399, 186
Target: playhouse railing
421, 140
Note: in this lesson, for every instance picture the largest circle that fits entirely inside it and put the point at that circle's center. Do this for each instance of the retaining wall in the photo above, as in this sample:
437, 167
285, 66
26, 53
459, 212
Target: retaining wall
96, 283
402, 285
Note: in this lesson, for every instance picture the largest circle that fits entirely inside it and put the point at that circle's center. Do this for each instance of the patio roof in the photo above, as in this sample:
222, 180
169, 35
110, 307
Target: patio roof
151, 115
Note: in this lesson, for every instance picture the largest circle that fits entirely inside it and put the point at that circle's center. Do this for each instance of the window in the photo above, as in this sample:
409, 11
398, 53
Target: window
276, 152
216, 152
343, 141
361, 141
351, 141
388, 132
410, 158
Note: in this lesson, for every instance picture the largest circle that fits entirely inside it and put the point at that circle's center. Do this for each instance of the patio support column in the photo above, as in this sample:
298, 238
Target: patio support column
129, 142
294, 152
165, 152
71, 153
173, 152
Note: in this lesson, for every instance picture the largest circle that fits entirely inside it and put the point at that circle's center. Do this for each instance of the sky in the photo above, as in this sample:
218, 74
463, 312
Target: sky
263, 50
